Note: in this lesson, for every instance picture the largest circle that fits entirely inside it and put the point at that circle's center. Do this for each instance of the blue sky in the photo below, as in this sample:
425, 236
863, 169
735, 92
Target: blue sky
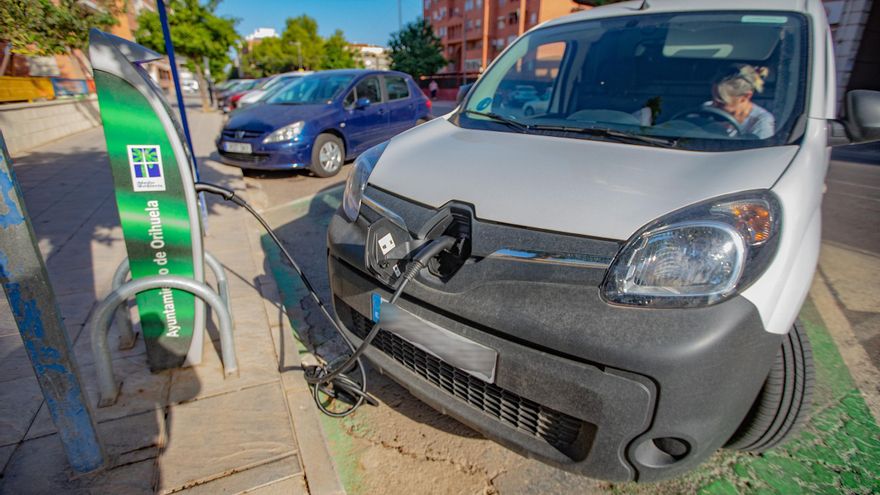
363, 21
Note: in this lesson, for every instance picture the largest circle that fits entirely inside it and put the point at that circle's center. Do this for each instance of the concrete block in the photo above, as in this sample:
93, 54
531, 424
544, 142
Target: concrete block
284, 473
40, 466
14, 361
211, 438
19, 401
141, 391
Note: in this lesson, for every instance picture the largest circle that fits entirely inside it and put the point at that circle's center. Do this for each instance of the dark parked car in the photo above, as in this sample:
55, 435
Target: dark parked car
240, 87
321, 120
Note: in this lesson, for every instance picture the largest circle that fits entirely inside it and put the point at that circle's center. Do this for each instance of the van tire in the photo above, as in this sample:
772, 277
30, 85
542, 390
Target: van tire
783, 405
328, 143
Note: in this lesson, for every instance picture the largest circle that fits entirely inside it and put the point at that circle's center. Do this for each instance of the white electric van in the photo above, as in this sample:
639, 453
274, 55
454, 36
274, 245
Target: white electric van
632, 253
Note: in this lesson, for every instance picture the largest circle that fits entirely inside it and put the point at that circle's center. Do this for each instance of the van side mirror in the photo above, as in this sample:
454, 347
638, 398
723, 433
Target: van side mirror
362, 103
861, 121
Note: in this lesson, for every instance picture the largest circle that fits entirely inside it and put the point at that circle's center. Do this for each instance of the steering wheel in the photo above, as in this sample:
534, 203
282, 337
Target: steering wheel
711, 113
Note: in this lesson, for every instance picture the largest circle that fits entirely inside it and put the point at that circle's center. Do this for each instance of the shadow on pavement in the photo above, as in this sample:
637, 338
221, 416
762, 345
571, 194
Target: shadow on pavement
70, 201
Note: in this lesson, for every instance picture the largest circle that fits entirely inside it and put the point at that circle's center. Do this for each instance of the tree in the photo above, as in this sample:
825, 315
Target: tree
301, 35
269, 56
337, 54
41, 27
416, 50
196, 33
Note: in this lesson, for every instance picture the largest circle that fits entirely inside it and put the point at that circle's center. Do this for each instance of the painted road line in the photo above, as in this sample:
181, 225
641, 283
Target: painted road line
866, 376
304, 199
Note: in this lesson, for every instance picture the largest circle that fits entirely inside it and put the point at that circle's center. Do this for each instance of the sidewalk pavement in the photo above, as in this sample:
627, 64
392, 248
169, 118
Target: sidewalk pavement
186, 430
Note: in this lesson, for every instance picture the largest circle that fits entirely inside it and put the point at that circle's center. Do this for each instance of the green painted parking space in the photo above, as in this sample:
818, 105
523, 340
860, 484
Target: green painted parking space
837, 452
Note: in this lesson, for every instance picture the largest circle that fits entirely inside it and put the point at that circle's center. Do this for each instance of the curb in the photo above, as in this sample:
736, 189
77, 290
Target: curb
320, 470
866, 376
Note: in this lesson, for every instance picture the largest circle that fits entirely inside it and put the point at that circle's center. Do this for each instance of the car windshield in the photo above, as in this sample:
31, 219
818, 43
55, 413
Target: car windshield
317, 88
700, 81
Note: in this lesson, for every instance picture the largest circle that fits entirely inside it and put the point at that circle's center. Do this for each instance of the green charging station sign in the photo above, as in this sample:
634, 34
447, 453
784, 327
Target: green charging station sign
154, 214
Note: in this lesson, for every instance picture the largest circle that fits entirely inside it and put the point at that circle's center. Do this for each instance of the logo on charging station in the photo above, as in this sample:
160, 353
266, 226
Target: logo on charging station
145, 164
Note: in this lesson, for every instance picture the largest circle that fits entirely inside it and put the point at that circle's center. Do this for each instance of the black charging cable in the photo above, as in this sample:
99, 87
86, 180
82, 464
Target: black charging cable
330, 379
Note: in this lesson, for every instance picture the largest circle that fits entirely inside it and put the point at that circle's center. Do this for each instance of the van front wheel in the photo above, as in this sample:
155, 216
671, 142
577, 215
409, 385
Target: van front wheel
783, 405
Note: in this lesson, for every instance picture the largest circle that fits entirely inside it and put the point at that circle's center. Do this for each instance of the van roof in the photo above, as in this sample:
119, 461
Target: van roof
670, 6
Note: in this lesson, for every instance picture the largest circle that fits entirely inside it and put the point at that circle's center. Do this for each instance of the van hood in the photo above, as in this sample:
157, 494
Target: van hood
576, 186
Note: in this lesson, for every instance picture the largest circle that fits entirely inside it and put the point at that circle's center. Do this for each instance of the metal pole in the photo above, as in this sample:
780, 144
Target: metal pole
127, 337
99, 324
26, 284
299, 51
169, 49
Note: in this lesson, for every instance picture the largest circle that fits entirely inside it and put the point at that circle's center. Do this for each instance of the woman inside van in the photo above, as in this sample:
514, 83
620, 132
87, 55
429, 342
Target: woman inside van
733, 94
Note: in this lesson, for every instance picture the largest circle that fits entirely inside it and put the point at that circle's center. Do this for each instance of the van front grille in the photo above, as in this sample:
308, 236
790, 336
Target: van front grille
556, 428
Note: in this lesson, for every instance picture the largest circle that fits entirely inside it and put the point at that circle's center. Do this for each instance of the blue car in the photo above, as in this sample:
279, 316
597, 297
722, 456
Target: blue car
321, 120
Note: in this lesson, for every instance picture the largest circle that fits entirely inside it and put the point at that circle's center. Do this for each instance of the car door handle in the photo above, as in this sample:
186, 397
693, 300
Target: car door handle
381, 111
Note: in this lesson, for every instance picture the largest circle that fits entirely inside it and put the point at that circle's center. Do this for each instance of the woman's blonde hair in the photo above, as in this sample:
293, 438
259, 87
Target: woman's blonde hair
746, 79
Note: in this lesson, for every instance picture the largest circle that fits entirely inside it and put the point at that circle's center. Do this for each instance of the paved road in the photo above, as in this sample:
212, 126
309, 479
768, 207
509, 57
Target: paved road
404, 442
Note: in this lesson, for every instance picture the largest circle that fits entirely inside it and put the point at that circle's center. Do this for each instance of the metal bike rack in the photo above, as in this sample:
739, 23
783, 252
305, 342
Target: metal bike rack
127, 337
99, 326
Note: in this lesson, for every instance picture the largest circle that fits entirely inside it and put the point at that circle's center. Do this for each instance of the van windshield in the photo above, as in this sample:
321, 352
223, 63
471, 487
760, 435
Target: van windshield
701, 81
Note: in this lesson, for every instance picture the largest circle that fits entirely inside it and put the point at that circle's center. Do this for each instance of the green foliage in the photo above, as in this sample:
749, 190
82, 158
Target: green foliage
337, 54
301, 33
41, 27
300, 47
416, 50
195, 30
269, 56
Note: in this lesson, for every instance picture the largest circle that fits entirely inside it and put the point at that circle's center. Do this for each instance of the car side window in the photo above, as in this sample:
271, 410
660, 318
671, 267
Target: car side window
396, 87
369, 88
349, 100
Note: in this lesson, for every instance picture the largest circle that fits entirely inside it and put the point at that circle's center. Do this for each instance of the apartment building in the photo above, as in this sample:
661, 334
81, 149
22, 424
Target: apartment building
474, 32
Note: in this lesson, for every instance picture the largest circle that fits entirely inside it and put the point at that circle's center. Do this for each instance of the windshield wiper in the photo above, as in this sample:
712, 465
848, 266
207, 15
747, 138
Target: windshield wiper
498, 118
619, 136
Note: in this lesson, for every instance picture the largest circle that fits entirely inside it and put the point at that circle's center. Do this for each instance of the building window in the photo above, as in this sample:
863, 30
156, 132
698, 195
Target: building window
513, 18
501, 22
510, 39
533, 18
427, 4
468, 5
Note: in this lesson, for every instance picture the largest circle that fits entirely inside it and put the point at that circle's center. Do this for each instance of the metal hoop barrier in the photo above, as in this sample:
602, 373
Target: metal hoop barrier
99, 326
127, 337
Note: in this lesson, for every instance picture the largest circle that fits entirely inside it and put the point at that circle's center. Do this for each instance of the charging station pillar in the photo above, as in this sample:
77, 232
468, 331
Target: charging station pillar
32, 301
158, 207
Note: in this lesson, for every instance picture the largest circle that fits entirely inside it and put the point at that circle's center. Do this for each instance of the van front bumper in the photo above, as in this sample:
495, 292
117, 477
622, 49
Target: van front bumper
606, 391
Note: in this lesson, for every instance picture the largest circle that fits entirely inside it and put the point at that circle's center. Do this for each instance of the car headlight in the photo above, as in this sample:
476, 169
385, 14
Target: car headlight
357, 180
286, 133
698, 256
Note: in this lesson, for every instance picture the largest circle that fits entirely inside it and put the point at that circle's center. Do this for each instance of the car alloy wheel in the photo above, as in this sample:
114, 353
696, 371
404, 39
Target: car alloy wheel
330, 157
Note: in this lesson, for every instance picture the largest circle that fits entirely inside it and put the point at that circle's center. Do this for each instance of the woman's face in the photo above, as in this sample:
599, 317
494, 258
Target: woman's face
738, 106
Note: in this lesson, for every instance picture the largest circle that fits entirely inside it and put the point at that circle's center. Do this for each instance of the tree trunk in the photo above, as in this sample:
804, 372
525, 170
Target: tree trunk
7, 57
203, 88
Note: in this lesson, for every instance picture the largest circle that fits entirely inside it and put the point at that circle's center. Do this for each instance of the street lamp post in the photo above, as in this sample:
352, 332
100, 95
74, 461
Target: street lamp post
299, 53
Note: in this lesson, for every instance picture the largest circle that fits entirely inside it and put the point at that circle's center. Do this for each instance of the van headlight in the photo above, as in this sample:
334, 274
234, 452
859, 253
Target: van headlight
286, 133
697, 256
357, 180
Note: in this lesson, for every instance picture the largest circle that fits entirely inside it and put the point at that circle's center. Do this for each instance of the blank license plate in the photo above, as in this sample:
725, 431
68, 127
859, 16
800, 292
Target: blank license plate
237, 147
